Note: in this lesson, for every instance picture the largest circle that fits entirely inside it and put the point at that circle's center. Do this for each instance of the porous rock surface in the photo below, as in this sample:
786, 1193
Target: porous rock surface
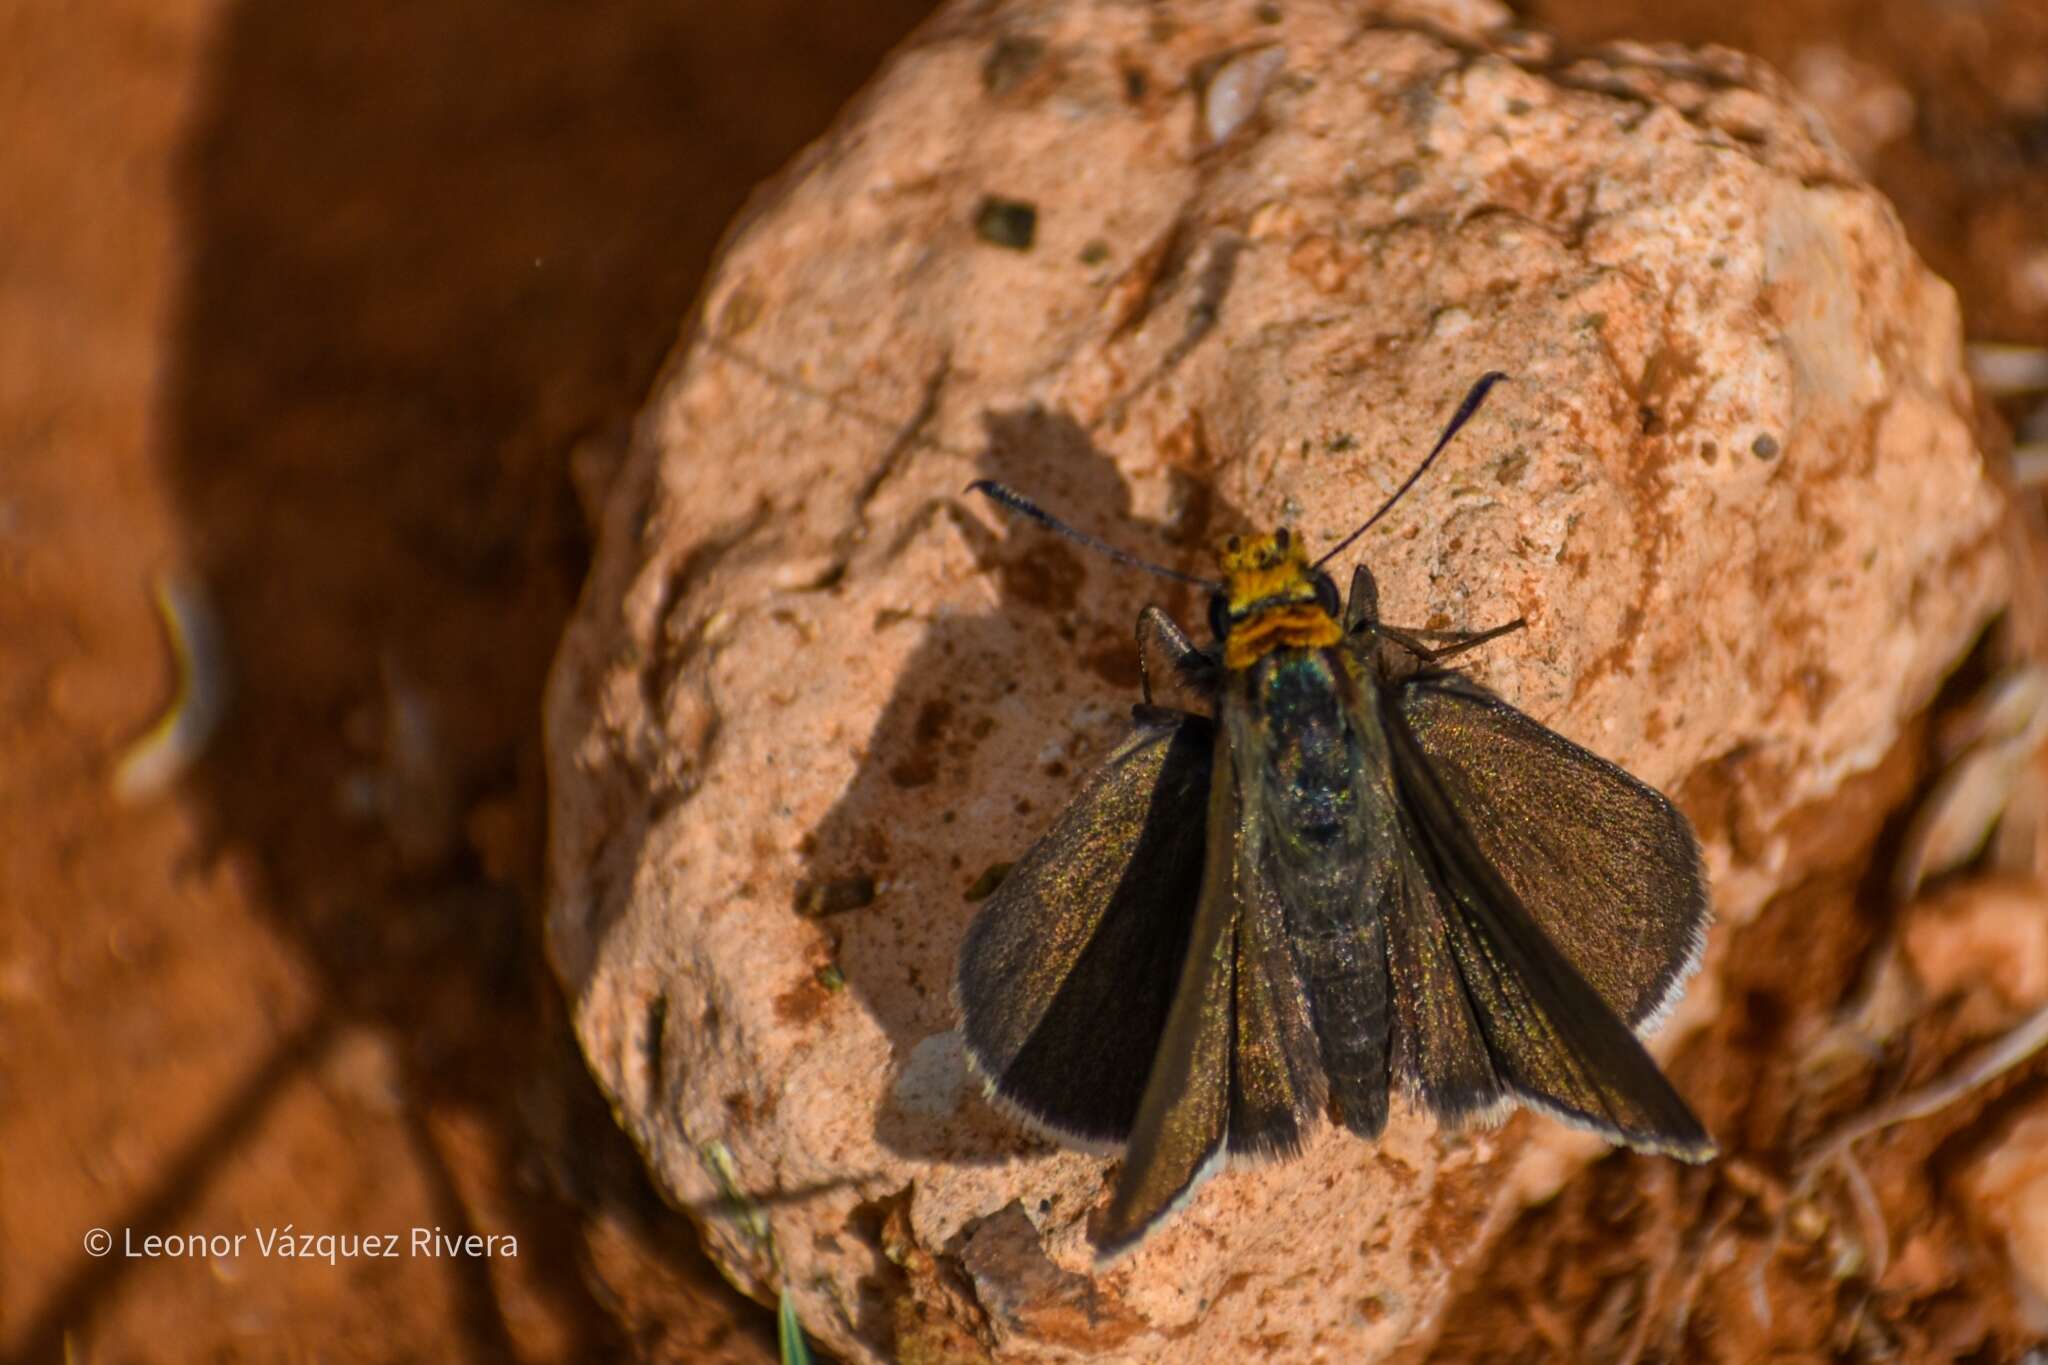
1176, 272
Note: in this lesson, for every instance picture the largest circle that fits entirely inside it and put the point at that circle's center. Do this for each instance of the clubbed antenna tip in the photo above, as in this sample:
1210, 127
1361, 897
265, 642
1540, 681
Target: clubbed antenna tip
1473, 398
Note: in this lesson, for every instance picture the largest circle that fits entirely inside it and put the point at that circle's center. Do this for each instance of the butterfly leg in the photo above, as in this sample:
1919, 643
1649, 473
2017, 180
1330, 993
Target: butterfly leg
1362, 607
1362, 613
1461, 640
1158, 633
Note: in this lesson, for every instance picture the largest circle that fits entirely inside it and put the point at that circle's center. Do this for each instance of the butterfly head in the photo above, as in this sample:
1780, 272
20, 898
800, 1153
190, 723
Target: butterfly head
1272, 598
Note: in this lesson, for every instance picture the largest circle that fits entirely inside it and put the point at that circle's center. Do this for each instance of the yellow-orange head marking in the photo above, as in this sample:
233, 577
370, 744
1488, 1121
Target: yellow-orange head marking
1269, 599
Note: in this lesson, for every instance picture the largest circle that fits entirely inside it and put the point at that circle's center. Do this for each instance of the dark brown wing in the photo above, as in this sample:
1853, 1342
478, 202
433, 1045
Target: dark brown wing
1236, 1071
1183, 1120
1607, 867
1068, 971
1439, 1049
1551, 1039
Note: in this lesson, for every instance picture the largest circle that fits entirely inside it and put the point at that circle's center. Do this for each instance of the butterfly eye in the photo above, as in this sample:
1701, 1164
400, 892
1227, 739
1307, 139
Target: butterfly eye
1219, 615
1326, 594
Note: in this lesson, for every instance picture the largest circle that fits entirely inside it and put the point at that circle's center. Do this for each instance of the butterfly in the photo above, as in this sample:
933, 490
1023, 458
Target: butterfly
1357, 871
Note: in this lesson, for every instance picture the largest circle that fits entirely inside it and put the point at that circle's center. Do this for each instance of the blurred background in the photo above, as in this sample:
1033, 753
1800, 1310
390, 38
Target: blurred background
332, 318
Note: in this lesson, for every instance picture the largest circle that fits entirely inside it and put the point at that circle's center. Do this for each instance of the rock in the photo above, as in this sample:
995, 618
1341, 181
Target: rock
804, 663
2005, 1195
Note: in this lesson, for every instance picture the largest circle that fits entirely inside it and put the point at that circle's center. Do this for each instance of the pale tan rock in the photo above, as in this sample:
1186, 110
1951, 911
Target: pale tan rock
1732, 488
2005, 1194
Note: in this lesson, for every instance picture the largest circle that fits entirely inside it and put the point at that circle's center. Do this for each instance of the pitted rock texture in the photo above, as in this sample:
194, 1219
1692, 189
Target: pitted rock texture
1178, 272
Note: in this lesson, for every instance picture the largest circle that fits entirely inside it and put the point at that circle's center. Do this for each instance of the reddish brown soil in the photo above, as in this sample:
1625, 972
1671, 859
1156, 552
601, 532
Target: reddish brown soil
315, 302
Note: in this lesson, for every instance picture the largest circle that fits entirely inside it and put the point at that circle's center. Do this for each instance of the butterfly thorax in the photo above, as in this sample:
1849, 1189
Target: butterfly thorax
1270, 600
1307, 743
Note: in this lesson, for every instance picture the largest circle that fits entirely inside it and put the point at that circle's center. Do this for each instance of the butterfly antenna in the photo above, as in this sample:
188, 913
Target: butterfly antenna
1473, 398
1010, 498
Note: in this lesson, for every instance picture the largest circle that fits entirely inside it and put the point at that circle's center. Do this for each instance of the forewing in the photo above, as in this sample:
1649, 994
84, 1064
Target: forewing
1605, 865
1551, 1038
1183, 1118
1068, 971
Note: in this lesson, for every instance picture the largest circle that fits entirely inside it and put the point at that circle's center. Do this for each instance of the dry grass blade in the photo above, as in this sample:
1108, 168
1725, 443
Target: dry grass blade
181, 734
1982, 1066
1993, 742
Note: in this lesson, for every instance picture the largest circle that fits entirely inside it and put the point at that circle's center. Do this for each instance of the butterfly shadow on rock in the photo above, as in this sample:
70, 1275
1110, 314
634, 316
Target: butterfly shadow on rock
961, 770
